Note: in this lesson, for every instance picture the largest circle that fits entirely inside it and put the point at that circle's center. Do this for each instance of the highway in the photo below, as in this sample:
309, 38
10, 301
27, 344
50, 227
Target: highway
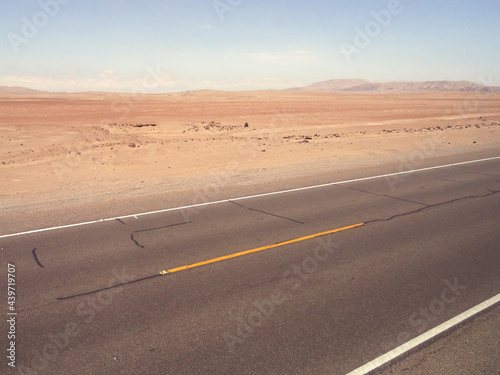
311, 281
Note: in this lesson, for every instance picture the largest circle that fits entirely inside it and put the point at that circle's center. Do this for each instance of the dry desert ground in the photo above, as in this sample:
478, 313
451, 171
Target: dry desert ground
88, 146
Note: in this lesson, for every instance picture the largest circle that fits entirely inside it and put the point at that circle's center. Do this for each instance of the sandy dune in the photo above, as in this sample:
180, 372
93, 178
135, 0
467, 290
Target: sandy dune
74, 144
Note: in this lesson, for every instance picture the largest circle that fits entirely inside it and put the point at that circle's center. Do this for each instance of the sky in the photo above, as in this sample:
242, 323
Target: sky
179, 45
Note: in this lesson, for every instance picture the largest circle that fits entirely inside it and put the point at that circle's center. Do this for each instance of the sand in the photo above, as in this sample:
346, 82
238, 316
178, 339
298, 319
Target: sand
88, 144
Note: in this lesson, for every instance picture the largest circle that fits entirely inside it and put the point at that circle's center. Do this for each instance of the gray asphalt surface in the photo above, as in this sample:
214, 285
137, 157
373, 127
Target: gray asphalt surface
472, 348
90, 299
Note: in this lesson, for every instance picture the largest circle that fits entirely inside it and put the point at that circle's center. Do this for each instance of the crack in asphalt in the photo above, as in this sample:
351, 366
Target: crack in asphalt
36, 258
266, 213
109, 287
386, 196
136, 242
491, 192
163, 227
237, 204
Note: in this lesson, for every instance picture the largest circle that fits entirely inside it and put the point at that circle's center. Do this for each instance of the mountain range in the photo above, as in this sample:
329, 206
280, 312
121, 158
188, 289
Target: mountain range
18, 90
363, 86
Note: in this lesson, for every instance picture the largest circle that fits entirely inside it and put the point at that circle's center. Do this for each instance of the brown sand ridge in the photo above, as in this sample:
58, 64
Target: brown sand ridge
77, 143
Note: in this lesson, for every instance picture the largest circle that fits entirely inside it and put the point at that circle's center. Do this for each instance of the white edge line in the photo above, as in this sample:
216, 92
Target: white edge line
243, 198
393, 354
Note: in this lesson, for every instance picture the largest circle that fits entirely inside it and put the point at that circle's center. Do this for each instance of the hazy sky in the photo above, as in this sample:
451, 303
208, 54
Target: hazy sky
163, 46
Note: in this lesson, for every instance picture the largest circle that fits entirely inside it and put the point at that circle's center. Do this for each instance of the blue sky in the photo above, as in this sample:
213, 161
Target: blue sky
164, 46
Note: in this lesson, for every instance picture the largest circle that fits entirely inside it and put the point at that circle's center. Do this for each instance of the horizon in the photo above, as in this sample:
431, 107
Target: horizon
247, 90
240, 45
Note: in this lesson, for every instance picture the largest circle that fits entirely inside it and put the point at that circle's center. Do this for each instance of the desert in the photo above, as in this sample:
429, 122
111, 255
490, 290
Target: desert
68, 149
250, 187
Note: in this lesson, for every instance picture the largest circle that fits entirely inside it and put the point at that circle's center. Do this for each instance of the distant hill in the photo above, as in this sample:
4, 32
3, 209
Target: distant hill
362, 86
19, 90
332, 85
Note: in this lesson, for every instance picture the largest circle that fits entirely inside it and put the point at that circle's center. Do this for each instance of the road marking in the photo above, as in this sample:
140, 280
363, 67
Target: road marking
136, 216
231, 256
400, 350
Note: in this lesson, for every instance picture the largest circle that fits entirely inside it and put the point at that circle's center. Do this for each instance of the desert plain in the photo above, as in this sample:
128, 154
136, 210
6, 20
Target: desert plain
66, 149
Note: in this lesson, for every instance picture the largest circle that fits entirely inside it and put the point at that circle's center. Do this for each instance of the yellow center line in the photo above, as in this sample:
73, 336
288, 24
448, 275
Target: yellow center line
226, 257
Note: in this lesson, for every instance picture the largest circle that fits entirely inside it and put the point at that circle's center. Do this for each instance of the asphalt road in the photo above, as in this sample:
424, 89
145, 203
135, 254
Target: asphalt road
472, 348
91, 300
